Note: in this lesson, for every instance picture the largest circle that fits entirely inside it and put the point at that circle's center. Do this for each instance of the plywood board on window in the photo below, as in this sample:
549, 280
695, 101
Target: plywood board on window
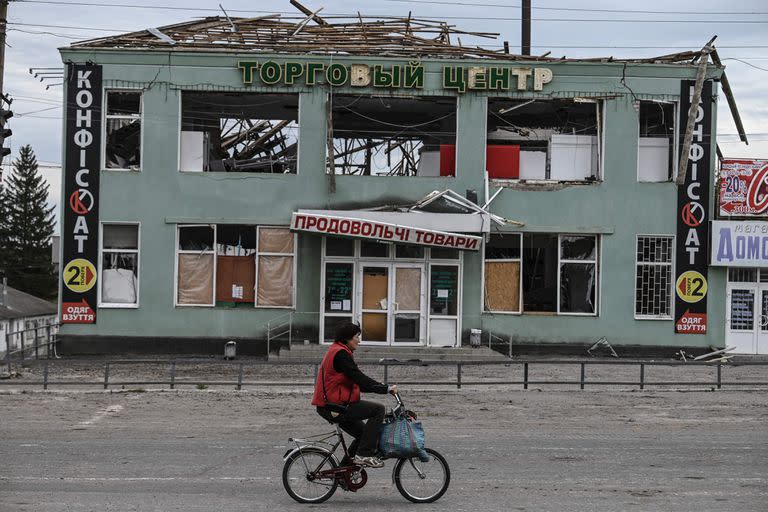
275, 281
408, 289
502, 286
374, 327
235, 271
195, 279
375, 290
275, 240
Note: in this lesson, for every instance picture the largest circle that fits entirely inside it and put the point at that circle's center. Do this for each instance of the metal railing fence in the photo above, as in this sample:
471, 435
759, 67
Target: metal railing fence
457, 379
17, 342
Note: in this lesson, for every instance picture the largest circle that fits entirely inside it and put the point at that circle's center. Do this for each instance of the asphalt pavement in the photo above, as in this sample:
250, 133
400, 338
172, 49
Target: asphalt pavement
509, 449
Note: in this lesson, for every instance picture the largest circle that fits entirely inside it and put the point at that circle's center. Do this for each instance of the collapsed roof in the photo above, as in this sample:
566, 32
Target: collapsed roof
389, 37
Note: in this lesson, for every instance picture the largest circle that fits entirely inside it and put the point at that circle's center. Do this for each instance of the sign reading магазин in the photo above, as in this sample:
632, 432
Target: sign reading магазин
406, 76
359, 228
739, 244
80, 218
744, 187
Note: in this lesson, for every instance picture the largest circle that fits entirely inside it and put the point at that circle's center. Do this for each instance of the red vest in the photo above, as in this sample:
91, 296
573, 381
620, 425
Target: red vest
339, 389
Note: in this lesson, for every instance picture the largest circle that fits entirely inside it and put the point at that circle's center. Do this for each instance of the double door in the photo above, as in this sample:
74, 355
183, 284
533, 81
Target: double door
747, 313
392, 303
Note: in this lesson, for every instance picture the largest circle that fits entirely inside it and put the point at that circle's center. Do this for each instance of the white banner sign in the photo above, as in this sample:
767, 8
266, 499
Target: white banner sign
360, 228
739, 244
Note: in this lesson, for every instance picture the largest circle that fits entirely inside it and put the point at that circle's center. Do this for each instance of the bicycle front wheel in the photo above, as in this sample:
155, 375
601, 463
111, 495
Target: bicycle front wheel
301, 475
422, 482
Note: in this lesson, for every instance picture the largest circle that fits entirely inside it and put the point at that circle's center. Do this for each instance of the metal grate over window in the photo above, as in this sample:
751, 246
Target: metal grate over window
653, 286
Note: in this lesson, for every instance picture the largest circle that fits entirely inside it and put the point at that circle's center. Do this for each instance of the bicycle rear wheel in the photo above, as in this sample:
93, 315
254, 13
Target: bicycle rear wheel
422, 482
299, 475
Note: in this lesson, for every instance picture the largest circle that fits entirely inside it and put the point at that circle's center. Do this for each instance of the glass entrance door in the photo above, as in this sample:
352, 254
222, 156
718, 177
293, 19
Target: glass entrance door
408, 304
374, 303
392, 303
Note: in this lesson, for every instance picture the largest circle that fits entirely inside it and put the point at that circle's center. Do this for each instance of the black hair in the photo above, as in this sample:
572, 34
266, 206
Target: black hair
346, 331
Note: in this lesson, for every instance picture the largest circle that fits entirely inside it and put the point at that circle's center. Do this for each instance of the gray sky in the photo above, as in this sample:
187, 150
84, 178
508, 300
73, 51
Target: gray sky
38, 27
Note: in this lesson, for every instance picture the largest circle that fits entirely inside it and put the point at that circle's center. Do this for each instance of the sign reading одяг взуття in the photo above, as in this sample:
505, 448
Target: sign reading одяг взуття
80, 223
693, 216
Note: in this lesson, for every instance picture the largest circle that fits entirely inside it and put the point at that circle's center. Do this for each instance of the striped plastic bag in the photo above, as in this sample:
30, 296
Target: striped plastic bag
402, 438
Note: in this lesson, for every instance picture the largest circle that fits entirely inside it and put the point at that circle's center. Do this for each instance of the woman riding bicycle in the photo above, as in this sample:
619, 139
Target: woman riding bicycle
337, 396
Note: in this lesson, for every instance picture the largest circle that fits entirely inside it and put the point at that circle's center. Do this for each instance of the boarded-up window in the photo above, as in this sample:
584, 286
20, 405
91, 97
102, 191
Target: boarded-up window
275, 263
195, 265
502, 273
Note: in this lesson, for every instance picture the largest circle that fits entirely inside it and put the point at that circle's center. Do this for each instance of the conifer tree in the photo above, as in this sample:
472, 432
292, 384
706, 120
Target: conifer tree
26, 229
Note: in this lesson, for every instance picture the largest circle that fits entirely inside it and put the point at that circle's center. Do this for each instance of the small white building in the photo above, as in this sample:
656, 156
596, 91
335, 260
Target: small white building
24, 317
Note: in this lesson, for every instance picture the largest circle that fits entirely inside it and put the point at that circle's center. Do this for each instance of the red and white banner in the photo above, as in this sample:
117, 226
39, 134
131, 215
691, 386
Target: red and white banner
744, 188
359, 228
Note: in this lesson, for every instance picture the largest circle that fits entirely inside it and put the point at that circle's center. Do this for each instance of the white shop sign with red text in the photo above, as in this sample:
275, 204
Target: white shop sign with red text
359, 228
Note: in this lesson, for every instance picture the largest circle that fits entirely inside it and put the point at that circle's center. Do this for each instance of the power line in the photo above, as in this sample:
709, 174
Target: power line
413, 2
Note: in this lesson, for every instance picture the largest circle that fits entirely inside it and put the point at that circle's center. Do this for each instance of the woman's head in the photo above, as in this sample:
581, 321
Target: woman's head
348, 332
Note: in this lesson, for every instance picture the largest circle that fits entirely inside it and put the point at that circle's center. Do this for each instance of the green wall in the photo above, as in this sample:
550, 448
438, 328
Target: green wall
159, 196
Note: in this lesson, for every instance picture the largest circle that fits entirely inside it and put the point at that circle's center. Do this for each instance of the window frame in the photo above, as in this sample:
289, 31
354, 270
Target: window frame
104, 118
259, 253
675, 142
595, 262
178, 252
599, 172
137, 251
520, 278
673, 256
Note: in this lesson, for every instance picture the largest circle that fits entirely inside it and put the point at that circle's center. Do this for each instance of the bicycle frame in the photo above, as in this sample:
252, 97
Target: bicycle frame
346, 474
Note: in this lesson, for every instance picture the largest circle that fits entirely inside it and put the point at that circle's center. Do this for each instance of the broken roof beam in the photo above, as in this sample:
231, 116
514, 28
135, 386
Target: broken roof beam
313, 16
731, 100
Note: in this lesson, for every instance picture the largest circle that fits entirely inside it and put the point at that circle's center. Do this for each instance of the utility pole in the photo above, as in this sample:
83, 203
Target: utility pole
3, 31
525, 46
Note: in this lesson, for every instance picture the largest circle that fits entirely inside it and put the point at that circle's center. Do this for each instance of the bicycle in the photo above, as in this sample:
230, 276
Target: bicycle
312, 473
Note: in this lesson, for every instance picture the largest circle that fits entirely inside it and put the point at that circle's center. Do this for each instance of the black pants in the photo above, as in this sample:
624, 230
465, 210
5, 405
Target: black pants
366, 433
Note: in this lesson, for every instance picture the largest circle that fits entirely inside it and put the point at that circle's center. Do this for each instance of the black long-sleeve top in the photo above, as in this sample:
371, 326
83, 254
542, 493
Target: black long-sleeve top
343, 363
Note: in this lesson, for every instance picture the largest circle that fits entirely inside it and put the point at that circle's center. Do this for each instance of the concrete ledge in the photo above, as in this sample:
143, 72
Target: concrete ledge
71, 345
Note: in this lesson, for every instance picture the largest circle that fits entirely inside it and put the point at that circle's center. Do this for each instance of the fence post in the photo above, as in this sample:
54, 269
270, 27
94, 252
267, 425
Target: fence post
525, 375
22, 345
36, 344
48, 341
240, 378
290, 328
317, 368
386, 374
45, 376
173, 374
642, 375
269, 334
106, 375
719, 376
8, 350
458, 376
583, 375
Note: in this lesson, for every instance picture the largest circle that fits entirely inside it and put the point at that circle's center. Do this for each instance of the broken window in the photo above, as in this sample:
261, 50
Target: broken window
235, 264
540, 272
119, 274
123, 130
250, 266
548, 139
502, 273
656, 146
578, 273
239, 132
386, 136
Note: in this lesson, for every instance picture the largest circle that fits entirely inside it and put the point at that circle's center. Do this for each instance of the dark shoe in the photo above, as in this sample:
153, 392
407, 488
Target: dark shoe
371, 462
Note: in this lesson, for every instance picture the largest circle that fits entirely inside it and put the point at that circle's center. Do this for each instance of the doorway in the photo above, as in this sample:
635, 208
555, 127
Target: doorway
747, 313
392, 303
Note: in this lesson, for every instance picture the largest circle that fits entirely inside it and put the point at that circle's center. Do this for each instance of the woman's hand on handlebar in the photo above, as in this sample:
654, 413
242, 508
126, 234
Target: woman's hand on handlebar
392, 389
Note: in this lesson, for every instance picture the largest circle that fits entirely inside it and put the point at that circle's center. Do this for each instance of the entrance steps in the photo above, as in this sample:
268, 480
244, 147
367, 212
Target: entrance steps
315, 352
